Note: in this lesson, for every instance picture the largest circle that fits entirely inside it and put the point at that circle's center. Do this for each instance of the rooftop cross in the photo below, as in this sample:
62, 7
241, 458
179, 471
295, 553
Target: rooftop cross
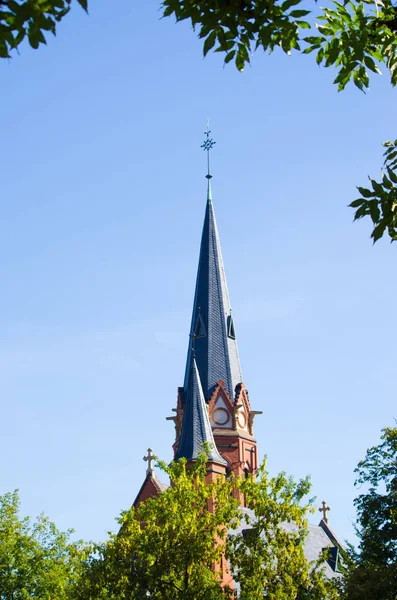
149, 459
324, 509
206, 146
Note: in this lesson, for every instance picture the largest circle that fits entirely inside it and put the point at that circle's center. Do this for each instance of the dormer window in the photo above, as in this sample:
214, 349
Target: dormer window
199, 329
230, 328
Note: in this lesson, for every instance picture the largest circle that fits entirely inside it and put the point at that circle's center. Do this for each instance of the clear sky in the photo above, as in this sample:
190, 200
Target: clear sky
102, 202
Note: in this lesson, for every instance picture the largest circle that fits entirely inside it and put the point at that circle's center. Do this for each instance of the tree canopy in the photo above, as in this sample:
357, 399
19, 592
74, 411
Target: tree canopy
268, 559
36, 560
372, 573
167, 548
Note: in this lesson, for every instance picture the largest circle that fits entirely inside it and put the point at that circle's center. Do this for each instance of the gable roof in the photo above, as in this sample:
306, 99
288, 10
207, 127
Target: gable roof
149, 489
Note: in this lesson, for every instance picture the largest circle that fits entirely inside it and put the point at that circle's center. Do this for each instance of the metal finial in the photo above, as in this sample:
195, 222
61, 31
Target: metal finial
324, 509
206, 146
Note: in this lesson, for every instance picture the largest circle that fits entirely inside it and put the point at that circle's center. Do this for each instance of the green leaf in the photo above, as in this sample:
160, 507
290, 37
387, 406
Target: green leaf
377, 187
331, 55
365, 193
288, 4
392, 175
310, 49
361, 212
390, 154
240, 62
386, 182
83, 4
317, 39
320, 56
374, 210
379, 230
230, 56
343, 13
14, 6
204, 31
324, 30
34, 38
370, 63
209, 42
18, 38
356, 203
244, 52
358, 80
226, 47
296, 14
10, 19
4, 50
303, 24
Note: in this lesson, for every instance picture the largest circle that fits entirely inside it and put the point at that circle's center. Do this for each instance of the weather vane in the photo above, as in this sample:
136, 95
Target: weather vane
206, 146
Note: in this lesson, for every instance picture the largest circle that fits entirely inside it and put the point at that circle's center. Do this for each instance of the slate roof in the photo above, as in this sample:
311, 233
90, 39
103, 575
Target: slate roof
212, 337
196, 426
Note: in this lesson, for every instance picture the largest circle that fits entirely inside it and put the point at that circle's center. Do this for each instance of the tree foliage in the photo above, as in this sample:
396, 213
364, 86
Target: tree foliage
268, 558
354, 37
372, 573
31, 19
168, 546
36, 560
380, 201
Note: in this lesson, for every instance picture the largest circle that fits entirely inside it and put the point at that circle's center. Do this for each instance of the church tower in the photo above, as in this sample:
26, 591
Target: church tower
213, 404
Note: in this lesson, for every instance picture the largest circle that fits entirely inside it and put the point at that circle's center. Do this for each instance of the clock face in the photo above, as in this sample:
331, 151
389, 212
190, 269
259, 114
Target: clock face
241, 419
220, 416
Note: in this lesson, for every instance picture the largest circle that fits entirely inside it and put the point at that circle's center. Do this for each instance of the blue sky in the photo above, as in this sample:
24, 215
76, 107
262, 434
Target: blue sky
102, 201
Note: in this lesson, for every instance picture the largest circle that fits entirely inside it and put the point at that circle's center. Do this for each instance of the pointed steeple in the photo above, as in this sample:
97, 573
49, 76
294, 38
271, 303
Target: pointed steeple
213, 405
212, 333
196, 426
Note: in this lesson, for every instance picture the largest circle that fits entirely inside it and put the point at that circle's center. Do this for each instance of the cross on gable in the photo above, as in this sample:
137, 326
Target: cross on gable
149, 459
324, 509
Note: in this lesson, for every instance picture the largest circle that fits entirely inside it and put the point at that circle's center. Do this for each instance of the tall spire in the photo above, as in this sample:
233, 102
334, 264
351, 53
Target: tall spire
196, 426
212, 330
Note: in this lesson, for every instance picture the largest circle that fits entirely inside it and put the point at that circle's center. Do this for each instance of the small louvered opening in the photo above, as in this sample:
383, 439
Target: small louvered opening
199, 330
230, 328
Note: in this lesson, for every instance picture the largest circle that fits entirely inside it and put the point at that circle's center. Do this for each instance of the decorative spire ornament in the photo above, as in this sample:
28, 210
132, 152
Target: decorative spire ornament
206, 146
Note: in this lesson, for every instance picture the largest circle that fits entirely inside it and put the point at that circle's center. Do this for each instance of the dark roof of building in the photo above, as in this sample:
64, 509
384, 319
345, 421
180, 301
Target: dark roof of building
196, 426
212, 335
325, 526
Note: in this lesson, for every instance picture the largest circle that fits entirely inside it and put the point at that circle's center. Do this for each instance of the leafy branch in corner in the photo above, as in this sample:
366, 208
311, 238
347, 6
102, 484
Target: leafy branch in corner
31, 19
380, 202
354, 37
